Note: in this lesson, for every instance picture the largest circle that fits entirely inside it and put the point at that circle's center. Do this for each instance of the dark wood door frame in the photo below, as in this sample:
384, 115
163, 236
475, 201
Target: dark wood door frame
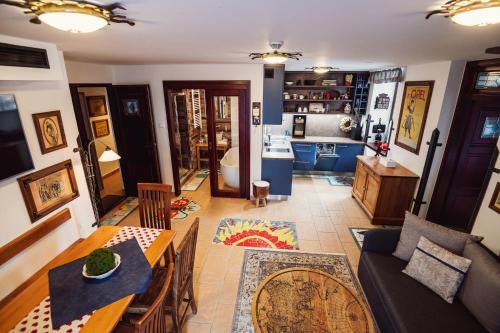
244, 125
468, 94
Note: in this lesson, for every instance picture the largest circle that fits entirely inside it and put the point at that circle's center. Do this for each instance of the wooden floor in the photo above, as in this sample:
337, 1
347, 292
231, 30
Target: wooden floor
322, 212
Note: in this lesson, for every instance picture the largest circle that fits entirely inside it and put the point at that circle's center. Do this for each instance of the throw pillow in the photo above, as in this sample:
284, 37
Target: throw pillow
480, 292
437, 268
414, 227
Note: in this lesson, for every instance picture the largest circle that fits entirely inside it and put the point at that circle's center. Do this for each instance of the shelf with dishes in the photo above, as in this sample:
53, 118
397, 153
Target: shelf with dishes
336, 112
316, 100
322, 87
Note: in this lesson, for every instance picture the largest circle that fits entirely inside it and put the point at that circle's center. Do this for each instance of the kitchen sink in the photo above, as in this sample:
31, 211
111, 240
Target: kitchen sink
278, 150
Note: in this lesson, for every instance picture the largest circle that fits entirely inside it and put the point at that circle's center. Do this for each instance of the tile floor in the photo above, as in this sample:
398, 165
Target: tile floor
322, 213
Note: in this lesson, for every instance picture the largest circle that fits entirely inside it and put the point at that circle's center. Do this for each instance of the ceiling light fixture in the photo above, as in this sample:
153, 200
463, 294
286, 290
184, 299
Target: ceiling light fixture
275, 57
470, 12
321, 69
74, 16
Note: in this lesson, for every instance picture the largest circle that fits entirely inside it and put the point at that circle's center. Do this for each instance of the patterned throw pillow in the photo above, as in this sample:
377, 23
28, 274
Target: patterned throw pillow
438, 269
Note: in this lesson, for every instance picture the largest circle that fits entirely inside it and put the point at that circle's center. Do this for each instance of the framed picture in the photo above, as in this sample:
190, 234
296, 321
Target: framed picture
101, 128
48, 189
495, 199
382, 101
50, 131
97, 106
414, 109
316, 107
131, 107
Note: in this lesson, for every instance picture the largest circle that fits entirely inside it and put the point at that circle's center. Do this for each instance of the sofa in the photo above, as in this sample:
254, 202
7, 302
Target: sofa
400, 303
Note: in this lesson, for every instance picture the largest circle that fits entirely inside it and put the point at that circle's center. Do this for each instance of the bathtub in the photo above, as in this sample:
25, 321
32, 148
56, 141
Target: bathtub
230, 167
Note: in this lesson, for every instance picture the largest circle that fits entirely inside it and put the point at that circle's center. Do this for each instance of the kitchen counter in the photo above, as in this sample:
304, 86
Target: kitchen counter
326, 139
279, 155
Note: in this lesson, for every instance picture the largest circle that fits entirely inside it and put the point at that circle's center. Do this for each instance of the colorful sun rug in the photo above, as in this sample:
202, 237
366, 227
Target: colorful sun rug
257, 233
195, 181
122, 212
181, 208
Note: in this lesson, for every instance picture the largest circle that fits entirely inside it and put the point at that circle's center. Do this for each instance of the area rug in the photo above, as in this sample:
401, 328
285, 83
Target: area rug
258, 264
257, 233
358, 235
122, 212
195, 181
341, 180
181, 208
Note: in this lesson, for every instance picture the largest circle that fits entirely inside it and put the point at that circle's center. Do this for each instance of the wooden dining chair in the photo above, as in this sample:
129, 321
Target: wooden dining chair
152, 320
182, 288
154, 205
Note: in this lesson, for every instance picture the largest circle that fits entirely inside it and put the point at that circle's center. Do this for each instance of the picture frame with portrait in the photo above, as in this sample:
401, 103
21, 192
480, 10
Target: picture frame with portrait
97, 106
101, 128
495, 199
131, 107
50, 131
48, 189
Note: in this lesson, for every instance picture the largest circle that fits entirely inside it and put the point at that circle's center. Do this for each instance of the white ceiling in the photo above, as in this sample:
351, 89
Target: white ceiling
350, 34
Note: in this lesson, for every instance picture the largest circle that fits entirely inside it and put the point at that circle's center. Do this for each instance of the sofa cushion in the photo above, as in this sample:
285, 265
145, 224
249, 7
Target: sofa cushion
414, 227
438, 269
480, 291
409, 305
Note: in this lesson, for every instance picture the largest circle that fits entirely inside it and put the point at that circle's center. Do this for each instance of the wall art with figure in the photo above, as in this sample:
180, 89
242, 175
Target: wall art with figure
50, 131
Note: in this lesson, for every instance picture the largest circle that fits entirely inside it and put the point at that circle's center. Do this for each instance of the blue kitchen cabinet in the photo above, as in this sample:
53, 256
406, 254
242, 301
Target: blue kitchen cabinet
305, 156
347, 156
278, 172
272, 106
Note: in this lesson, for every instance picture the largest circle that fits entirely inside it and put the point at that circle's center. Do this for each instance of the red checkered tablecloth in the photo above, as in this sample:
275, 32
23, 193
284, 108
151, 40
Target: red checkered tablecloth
38, 320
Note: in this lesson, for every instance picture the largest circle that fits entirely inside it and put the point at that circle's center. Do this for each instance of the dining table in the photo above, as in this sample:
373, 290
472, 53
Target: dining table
20, 305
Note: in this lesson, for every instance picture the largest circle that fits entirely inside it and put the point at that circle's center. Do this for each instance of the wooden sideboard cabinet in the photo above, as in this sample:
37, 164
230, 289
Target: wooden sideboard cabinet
384, 193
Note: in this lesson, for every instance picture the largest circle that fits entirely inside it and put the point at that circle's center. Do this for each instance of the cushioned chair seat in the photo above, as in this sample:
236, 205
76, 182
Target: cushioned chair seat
401, 304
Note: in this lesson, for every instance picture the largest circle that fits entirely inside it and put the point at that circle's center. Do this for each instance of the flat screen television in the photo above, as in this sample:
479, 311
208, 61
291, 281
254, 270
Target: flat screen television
15, 155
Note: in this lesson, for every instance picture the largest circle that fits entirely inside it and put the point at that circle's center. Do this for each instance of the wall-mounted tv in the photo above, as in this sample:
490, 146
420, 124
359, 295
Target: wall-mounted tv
14, 151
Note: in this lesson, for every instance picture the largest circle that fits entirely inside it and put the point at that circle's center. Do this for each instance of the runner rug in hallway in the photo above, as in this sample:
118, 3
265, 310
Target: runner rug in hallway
259, 264
195, 181
181, 208
257, 233
122, 212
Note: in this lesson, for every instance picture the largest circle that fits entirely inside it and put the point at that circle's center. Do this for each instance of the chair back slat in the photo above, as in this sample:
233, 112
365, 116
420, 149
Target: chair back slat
184, 262
154, 205
153, 321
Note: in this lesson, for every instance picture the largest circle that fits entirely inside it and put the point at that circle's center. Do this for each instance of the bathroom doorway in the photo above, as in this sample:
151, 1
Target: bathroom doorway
209, 133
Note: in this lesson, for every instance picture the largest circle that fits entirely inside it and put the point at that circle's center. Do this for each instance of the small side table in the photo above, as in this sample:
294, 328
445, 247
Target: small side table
260, 192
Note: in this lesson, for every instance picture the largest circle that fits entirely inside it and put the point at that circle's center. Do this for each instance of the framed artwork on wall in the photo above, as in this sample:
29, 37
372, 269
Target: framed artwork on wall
495, 199
48, 189
413, 114
131, 107
97, 106
101, 128
50, 131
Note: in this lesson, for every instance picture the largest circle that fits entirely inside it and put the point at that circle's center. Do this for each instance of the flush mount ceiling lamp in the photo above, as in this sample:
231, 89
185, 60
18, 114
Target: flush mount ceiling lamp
275, 57
470, 12
321, 69
72, 16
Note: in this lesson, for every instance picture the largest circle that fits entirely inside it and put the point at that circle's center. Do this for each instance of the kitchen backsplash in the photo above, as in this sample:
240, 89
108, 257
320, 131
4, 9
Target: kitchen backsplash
316, 125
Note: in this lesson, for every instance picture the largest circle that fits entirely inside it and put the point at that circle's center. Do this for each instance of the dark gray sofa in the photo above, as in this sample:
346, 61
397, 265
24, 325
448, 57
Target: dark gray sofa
400, 303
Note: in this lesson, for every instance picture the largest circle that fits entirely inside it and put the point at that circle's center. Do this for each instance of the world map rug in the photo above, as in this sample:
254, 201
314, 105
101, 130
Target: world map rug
122, 212
181, 208
195, 181
259, 264
257, 233
358, 235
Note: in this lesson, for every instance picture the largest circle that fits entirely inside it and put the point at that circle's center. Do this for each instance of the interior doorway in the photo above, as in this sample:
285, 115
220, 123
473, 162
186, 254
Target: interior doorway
465, 169
119, 118
209, 129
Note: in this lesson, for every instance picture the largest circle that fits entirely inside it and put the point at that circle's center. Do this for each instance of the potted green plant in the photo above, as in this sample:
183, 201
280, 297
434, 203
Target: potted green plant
101, 263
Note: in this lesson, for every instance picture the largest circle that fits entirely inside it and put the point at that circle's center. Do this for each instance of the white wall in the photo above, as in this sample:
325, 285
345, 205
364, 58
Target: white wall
487, 222
83, 72
154, 75
447, 76
34, 97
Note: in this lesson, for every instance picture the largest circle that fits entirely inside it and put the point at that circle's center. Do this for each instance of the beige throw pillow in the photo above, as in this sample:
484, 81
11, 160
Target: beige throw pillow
414, 227
437, 269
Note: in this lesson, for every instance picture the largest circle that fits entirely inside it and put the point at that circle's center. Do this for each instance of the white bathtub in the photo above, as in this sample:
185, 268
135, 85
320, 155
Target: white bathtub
230, 167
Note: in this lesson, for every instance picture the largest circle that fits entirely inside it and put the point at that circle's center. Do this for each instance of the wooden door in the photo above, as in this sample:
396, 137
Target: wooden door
371, 193
359, 181
469, 150
135, 136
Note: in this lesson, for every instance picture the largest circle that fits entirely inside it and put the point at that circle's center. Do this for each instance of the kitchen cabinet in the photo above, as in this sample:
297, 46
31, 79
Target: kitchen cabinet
347, 156
272, 106
305, 156
383, 193
278, 172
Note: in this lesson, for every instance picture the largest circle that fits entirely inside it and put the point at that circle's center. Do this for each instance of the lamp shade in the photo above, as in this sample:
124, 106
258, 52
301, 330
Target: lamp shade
74, 21
108, 155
